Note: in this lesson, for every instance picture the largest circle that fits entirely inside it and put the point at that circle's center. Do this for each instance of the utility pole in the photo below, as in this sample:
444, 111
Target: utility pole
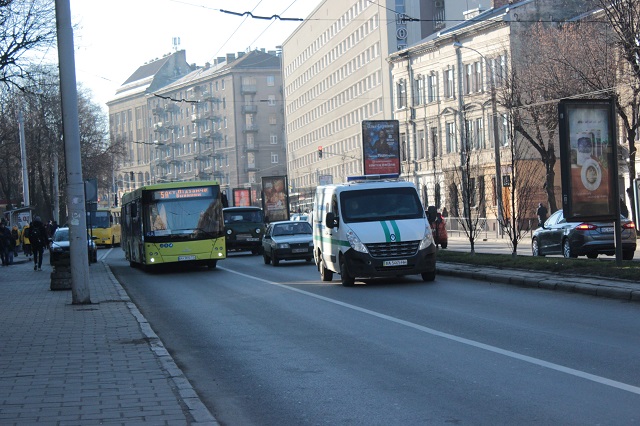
23, 155
463, 141
75, 183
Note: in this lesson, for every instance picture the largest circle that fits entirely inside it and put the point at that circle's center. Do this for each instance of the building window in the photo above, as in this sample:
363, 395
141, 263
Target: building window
432, 88
401, 94
421, 145
450, 137
449, 88
271, 100
273, 139
222, 84
478, 134
434, 142
271, 80
420, 95
274, 158
273, 119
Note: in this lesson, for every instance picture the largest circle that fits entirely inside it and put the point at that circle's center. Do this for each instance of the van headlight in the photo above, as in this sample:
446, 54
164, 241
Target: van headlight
355, 242
427, 240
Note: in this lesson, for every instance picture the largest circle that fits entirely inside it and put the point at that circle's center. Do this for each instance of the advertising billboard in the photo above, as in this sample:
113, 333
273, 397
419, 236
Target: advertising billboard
381, 146
241, 197
588, 157
275, 198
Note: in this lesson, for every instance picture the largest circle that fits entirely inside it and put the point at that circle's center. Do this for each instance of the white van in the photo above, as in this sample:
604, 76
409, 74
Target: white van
371, 228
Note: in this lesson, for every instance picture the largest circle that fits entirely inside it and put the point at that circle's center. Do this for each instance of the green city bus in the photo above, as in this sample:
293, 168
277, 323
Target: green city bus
178, 222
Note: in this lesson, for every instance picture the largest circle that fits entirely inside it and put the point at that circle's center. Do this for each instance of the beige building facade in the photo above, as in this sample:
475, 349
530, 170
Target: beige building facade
336, 75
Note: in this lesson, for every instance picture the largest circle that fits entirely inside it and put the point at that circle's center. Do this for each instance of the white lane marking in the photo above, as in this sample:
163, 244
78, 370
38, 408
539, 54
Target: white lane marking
464, 341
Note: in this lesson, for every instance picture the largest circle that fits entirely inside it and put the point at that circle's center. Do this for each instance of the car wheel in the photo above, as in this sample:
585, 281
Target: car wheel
566, 250
592, 255
325, 274
274, 260
628, 254
267, 259
535, 247
346, 279
428, 276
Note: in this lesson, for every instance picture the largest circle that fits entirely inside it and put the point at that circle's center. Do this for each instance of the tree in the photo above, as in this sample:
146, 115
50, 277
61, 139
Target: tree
27, 27
623, 17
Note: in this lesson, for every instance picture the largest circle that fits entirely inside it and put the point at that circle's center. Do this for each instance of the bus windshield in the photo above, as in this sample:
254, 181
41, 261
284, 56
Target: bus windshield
180, 217
380, 204
98, 219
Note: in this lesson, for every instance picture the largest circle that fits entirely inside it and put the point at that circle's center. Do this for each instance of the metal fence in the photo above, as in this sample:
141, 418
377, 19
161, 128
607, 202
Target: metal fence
488, 228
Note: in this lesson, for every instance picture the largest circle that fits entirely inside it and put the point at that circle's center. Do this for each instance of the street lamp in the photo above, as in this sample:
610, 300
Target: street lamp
496, 136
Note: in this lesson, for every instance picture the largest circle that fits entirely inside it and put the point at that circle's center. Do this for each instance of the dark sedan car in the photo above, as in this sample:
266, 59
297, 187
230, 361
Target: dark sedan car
60, 245
287, 240
573, 239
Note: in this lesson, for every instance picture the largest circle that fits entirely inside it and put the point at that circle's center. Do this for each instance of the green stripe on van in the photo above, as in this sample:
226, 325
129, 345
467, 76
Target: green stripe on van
387, 233
396, 230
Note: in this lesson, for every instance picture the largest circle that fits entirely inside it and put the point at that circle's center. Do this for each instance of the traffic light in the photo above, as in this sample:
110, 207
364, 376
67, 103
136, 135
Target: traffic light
319, 152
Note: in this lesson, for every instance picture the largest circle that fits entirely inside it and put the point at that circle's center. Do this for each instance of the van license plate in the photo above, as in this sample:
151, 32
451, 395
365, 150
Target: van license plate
394, 262
186, 258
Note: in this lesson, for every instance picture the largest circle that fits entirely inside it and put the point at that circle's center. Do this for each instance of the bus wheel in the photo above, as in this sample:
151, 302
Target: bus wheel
212, 264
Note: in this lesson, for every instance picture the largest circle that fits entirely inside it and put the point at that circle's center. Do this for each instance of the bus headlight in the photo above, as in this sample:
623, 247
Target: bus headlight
355, 242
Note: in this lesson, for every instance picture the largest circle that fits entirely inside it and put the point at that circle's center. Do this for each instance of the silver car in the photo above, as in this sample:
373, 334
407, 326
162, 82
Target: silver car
573, 239
287, 240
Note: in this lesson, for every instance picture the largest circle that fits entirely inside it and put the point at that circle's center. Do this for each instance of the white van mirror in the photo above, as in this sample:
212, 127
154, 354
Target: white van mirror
331, 221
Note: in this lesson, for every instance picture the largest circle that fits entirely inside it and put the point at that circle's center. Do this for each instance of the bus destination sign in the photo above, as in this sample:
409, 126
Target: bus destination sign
172, 194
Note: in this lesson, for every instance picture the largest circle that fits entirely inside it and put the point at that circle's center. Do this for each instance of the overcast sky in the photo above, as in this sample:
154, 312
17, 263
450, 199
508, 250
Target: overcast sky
114, 38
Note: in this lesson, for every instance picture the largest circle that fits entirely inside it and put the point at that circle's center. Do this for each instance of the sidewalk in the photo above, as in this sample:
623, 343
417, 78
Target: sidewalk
84, 364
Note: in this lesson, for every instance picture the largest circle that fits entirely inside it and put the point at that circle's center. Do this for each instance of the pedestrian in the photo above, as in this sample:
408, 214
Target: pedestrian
444, 213
5, 243
15, 234
542, 214
38, 239
26, 243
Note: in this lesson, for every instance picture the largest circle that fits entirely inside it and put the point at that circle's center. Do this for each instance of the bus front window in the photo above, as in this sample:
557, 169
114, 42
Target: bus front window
179, 217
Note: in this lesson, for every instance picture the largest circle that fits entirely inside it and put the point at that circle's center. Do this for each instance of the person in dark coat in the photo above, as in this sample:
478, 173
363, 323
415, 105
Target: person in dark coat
542, 214
5, 243
39, 240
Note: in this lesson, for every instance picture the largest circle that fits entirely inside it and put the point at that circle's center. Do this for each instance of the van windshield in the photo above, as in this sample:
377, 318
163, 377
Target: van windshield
380, 204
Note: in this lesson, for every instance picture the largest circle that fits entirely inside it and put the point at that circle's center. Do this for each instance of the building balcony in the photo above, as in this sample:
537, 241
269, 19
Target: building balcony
249, 109
250, 129
201, 157
158, 111
210, 115
251, 148
197, 118
171, 107
158, 143
248, 88
159, 127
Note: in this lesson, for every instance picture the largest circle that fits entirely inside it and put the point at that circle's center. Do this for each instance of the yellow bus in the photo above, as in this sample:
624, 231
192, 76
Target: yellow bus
104, 224
177, 222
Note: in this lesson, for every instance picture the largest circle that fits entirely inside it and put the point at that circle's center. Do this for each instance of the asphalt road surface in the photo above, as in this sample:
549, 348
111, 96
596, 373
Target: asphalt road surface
268, 345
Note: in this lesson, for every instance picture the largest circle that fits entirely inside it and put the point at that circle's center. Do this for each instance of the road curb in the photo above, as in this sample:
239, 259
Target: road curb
570, 284
198, 411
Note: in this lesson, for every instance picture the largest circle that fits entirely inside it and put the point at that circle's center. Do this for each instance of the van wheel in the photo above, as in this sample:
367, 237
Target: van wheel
428, 276
347, 280
325, 274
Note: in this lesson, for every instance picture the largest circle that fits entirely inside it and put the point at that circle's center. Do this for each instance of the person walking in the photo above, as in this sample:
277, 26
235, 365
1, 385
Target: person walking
26, 243
15, 235
38, 239
5, 243
542, 214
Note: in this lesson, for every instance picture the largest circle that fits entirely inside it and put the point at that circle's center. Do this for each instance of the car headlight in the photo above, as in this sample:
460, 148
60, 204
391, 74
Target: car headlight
355, 242
229, 231
56, 249
283, 245
258, 230
427, 240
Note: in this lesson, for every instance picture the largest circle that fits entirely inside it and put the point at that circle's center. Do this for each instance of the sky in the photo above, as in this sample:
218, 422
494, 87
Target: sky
112, 39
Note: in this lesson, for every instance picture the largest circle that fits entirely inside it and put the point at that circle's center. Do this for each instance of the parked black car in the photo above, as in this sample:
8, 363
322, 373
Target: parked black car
573, 239
287, 240
59, 246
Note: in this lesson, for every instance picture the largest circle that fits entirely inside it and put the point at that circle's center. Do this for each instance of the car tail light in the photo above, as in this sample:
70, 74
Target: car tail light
586, 227
629, 225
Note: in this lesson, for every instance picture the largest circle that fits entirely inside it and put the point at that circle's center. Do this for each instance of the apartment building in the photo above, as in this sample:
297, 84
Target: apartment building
223, 121
442, 98
336, 75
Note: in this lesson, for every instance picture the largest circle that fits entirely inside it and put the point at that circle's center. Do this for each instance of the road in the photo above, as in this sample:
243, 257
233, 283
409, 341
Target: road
275, 345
